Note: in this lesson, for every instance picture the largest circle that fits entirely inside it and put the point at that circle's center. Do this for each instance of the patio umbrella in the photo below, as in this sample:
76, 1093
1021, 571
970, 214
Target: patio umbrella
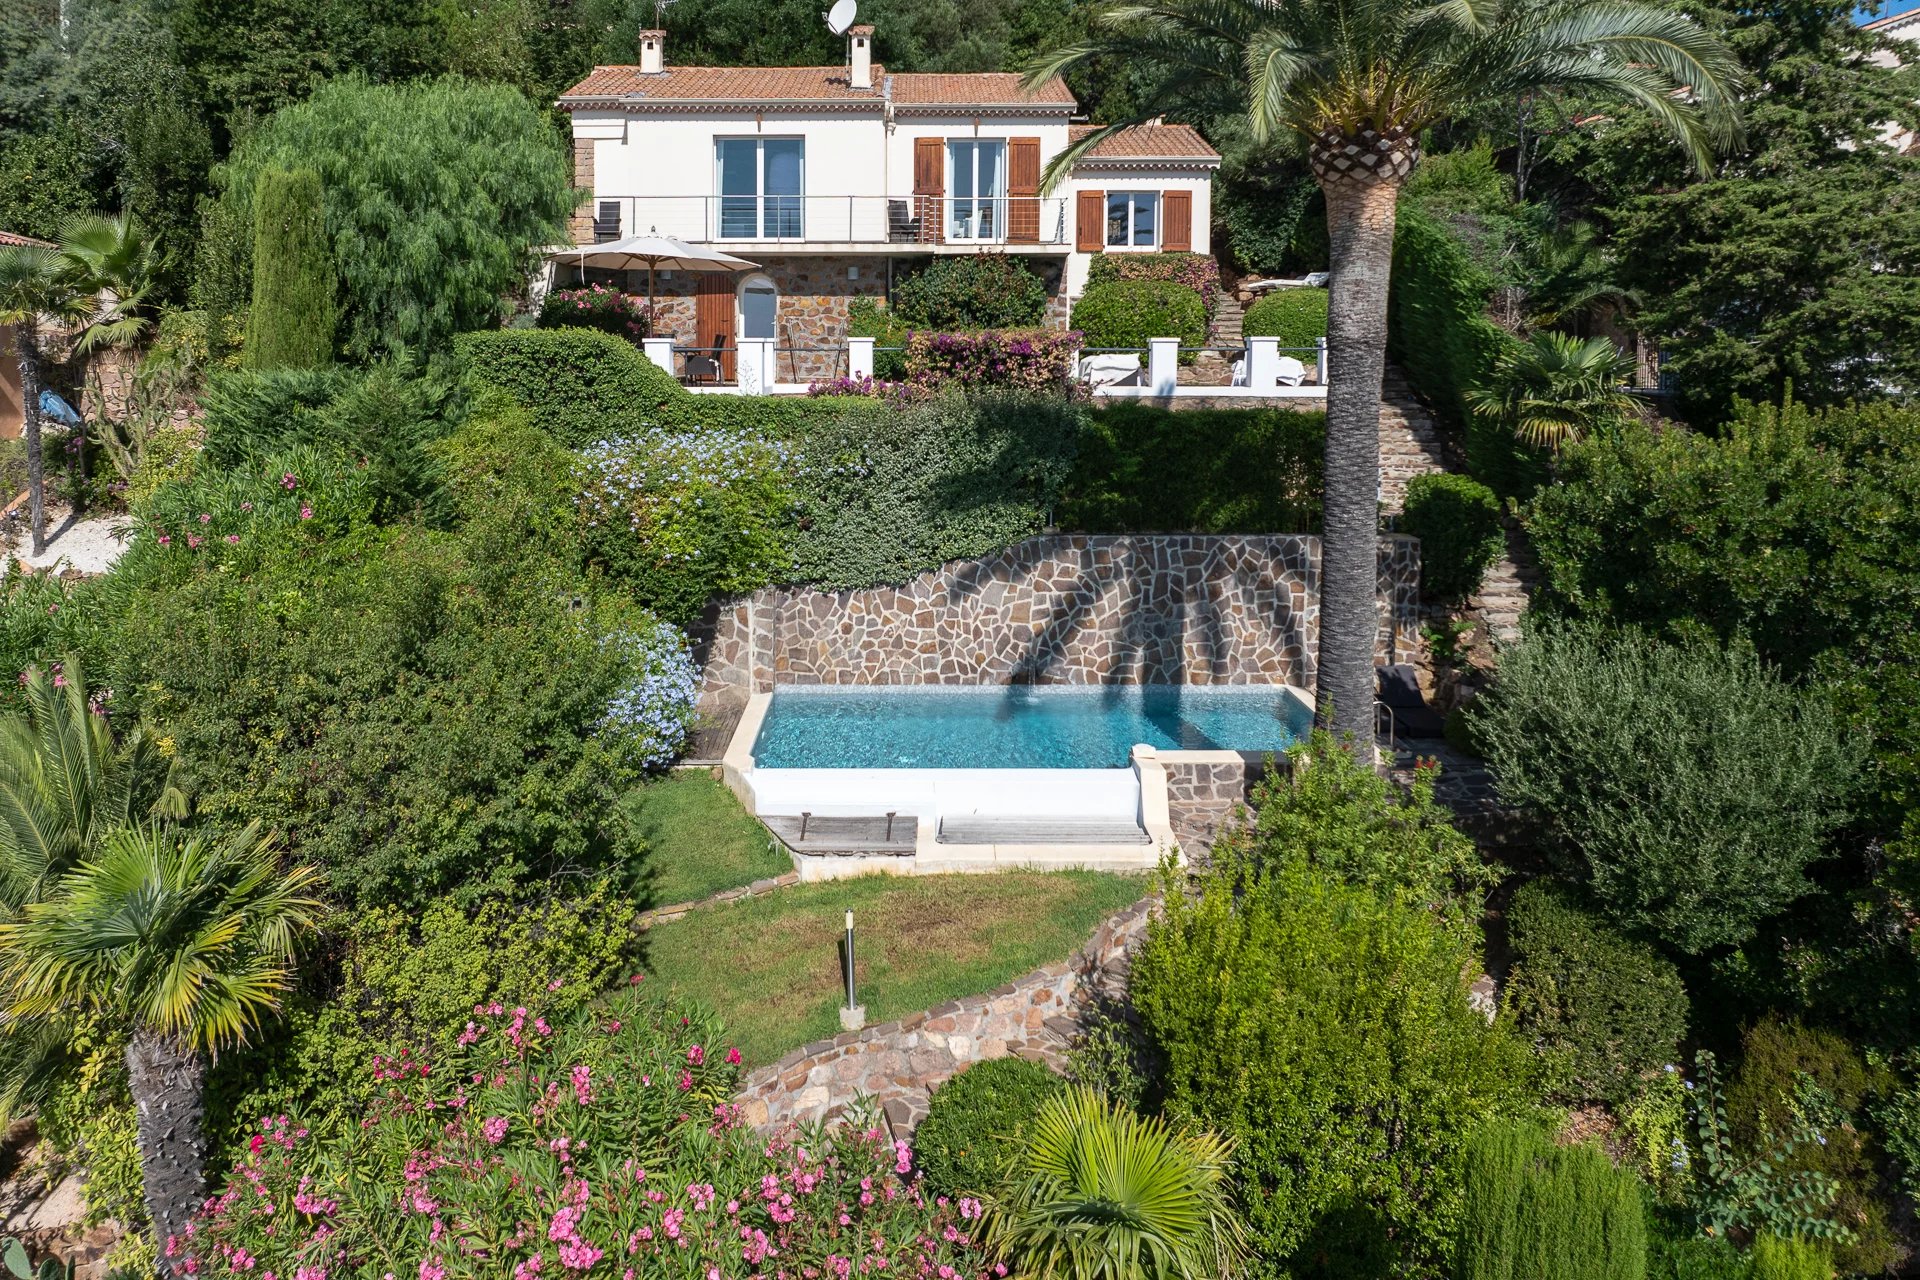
652, 251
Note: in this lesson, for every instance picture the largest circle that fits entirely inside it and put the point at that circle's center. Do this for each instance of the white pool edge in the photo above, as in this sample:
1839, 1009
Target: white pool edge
930, 857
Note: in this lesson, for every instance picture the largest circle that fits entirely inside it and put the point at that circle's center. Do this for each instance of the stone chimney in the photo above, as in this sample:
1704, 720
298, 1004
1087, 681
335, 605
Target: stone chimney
653, 52
860, 55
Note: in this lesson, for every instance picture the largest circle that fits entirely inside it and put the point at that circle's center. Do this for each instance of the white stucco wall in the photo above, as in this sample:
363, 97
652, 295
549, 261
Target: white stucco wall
1087, 178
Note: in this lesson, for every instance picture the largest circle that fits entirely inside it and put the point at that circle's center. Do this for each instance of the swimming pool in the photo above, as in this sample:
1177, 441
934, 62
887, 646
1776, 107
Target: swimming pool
1018, 726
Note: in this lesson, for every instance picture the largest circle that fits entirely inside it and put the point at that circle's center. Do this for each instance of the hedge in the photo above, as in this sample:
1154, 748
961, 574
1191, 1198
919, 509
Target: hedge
972, 291
1439, 334
976, 1122
1298, 317
580, 385
1537, 1210
867, 318
1457, 520
1198, 271
1146, 469
1125, 313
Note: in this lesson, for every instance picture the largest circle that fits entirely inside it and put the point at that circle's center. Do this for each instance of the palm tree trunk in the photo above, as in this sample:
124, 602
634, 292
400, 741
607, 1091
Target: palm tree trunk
168, 1081
26, 342
1361, 177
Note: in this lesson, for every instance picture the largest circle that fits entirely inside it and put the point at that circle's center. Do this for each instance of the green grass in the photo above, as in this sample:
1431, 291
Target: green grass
699, 839
771, 965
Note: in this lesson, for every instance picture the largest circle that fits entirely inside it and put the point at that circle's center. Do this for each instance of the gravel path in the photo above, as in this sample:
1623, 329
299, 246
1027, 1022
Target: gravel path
88, 545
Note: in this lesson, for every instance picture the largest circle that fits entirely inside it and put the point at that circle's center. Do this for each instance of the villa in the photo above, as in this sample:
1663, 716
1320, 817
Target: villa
834, 180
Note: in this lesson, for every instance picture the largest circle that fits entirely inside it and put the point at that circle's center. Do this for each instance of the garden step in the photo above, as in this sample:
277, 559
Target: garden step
1040, 831
810, 833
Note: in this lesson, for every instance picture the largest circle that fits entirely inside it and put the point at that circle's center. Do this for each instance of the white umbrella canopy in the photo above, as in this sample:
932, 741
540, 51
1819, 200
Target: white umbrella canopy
653, 252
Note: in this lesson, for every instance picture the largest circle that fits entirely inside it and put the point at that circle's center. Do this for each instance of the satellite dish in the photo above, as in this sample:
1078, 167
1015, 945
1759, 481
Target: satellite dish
841, 16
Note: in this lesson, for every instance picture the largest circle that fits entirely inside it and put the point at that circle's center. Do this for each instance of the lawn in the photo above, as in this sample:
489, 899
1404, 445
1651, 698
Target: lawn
771, 965
699, 840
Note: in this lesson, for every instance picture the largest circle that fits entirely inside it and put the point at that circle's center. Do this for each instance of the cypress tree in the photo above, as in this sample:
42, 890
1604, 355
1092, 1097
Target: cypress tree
291, 324
1538, 1211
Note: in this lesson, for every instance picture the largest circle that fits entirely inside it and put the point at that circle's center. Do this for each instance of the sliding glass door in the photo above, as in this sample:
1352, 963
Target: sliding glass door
761, 183
979, 204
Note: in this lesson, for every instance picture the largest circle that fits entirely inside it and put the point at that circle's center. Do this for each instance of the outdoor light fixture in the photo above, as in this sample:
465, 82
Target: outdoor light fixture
853, 1016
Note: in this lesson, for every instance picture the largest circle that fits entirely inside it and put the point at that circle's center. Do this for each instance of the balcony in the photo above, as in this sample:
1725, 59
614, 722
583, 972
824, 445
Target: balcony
906, 224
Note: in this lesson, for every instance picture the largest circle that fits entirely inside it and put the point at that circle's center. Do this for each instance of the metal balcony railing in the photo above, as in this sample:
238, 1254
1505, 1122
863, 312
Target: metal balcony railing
865, 220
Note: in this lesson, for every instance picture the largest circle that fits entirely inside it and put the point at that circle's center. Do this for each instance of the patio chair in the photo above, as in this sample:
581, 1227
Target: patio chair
902, 226
1402, 709
705, 366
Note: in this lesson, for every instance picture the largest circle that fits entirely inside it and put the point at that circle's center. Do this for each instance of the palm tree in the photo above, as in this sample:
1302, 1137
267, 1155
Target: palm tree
65, 782
1100, 1193
1358, 80
186, 941
94, 283
1556, 388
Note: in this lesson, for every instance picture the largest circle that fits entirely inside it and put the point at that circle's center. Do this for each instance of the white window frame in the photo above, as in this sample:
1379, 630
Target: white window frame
1131, 195
760, 194
987, 217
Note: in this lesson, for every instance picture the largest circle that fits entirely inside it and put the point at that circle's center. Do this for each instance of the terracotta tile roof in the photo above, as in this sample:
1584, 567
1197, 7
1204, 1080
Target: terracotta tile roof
1148, 142
10, 238
734, 84
980, 88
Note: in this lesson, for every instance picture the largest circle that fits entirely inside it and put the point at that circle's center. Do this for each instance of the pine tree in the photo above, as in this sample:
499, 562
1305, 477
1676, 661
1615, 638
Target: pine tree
291, 325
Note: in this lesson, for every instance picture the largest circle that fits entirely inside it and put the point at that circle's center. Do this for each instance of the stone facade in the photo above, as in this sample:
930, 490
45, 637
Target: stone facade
580, 225
1202, 795
898, 1064
1067, 609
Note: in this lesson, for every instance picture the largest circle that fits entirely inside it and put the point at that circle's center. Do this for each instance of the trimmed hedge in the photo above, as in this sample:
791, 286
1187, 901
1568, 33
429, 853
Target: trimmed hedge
291, 323
976, 1123
972, 291
1298, 317
1125, 313
1438, 332
1198, 271
1457, 520
1536, 1210
580, 385
1605, 1009
1146, 469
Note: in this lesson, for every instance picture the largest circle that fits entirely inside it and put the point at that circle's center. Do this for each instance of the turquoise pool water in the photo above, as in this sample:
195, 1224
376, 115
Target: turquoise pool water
1017, 726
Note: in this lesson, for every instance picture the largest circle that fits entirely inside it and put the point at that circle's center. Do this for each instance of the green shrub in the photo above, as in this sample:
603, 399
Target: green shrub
1688, 785
867, 318
579, 384
886, 493
1603, 1008
683, 518
1899, 1119
290, 325
1125, 313
170, 456
1777, 1054
1785, 1258
1458, 523
1270, 223
1325, 1027
440, 195
1536, 1210
1796, 531
1298, 317
972, 291
1197, 271
1438, 332
976, 1123
1327, 810
1677, 1251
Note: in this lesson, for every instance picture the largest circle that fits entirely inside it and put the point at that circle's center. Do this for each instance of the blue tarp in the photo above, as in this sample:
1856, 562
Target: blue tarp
54, 409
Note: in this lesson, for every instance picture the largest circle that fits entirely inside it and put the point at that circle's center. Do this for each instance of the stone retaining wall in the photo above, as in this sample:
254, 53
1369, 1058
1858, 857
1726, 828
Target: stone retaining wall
1067, 609
1202, 794
898, 1064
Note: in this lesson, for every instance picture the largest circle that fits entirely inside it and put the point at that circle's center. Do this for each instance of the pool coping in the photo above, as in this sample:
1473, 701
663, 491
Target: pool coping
930, 857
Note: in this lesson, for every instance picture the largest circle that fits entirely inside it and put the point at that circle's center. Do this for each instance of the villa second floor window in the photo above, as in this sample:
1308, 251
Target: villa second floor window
1133, 219
979, 205
762, 182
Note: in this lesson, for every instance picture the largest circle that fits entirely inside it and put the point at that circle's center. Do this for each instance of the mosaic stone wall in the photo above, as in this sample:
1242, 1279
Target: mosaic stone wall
1201, 796
1069, 609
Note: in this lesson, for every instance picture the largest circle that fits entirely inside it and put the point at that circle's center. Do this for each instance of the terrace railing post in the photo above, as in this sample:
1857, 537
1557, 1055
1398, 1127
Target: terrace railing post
660, 351
860, 358
1263, 363
1320, 364
1163, 365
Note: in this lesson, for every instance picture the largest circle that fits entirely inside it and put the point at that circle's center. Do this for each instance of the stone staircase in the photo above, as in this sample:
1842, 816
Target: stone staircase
1215, 368
1409, 442
1229, 320
1508, 588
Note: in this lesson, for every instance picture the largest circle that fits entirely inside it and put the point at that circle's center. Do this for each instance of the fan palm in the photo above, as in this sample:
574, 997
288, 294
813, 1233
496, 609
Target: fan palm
1100, 1193
94, 284
1358, 80
186, 941
1556, 388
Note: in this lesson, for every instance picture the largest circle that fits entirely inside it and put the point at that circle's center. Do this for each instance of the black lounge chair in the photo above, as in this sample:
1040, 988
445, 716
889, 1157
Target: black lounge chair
1402, 708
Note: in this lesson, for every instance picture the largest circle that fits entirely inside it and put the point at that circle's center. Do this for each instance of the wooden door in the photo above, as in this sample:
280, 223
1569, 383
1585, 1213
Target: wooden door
713, 320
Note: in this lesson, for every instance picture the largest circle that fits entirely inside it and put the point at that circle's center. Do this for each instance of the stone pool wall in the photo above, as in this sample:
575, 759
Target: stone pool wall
1067, 609
1203, 790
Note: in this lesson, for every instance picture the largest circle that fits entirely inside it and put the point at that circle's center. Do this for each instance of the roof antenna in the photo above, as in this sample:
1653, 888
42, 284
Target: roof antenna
660, 13
841, 16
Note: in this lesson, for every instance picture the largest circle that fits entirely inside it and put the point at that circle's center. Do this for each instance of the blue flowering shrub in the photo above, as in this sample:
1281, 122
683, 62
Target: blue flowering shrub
683, 516
649, 717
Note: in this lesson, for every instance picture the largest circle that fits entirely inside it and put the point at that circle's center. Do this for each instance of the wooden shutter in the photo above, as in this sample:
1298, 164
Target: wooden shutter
1176, 221
1090, 222
1023, 190
929, 186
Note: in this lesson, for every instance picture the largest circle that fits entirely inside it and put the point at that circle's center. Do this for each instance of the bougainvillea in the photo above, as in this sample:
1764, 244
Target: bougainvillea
597, 307
606, 1147
1020, 359
686, 516
869, 387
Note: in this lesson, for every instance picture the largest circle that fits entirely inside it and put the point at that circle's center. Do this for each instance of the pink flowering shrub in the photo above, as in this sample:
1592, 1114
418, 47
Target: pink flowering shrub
603, 1147
227, 517
597, 306
1036, 360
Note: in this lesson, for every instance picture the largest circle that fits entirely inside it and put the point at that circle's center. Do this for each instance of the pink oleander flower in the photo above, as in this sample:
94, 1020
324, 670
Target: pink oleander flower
696, 1055
493, 1129
733, 1057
